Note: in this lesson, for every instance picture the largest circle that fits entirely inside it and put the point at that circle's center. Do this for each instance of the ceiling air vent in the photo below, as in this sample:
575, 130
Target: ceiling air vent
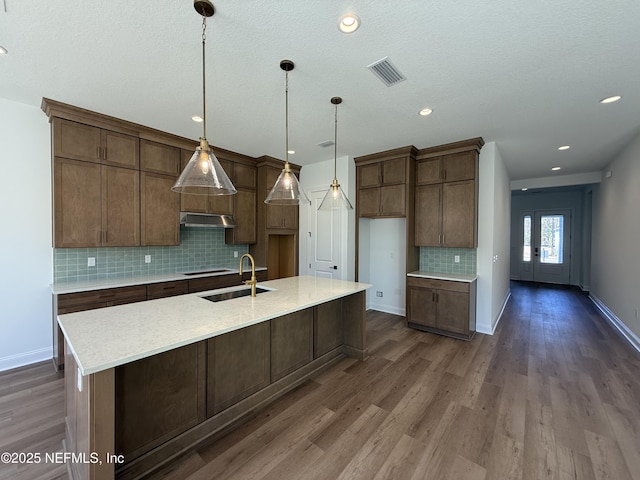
325, 144
387, 72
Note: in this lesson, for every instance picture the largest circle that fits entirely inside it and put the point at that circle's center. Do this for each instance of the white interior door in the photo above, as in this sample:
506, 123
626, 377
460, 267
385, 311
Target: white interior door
546, 246
324, 247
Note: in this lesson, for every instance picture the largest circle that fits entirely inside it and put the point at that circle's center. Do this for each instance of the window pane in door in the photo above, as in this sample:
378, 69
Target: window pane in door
551, 236
526, 249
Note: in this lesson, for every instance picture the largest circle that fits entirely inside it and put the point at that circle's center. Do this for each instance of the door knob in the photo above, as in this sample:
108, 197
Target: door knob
335, 267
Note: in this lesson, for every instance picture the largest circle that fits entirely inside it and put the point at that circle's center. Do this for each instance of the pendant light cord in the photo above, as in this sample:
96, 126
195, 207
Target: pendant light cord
204, 83
335, 147
286, 116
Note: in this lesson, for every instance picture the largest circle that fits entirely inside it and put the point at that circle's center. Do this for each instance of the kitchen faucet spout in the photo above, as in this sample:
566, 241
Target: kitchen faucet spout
253, 280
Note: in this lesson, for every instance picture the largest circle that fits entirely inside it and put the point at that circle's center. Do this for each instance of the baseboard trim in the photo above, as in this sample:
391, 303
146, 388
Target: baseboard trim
387, 309
618, 324
26, 358
488, 330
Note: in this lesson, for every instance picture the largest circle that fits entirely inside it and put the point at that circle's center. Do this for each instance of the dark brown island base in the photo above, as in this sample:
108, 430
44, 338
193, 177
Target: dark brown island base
146, 381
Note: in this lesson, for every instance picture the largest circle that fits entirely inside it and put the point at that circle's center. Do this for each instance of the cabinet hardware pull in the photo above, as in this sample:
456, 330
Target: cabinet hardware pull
105, 153
99, 153
433, 296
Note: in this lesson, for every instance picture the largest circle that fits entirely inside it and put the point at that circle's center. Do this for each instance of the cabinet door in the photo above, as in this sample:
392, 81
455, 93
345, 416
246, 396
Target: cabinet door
459, 214
429, 171
76, 204
159, 210
369, 202
158, 158
244, 176
120, 207
459, 166
167, 289
393, 171
76, 141
369, 175
453, 311
120, 150
392, 201
222, 204
422, 306
428, 215
244, 214
237, 366
157, 398
328, 328
291, 342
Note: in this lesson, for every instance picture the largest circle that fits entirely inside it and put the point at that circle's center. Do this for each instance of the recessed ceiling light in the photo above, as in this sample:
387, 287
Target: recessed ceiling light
349, 23
3, 51
612, 99
426, 111
525, 189
196, 118
291, 152
564, 147
555, 169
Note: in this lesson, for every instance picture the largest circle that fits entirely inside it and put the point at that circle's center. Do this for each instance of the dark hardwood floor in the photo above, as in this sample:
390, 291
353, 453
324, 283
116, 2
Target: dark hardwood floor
554, 394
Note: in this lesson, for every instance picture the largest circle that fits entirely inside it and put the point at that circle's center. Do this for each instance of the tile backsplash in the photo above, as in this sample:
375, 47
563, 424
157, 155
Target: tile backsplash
441, 260
199, 249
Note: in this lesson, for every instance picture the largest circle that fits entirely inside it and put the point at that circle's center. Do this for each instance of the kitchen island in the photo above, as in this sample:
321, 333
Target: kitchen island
146, 381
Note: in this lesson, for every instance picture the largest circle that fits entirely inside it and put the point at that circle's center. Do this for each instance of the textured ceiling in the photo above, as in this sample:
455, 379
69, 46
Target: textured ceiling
527, 75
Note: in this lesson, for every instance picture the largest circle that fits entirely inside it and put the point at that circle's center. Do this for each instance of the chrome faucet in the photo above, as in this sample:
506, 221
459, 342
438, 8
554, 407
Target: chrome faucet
253, 280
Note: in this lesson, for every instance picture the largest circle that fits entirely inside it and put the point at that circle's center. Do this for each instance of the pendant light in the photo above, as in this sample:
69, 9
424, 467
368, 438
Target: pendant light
335, 198
204, 175
286, 190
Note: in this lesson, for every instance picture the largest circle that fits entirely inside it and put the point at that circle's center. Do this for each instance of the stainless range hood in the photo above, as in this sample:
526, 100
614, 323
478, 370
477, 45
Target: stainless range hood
190, 219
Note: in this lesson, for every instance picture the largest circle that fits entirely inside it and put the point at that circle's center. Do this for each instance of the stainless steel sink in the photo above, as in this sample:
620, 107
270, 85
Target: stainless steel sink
219, 297
215, 270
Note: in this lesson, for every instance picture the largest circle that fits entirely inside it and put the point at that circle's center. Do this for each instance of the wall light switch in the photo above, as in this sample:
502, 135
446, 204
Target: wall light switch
147, 259
91, 261
456, 259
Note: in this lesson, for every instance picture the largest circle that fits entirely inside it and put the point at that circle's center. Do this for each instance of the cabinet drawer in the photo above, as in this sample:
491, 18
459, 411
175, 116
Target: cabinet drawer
136, 293
211, 283
438, 284
167, 289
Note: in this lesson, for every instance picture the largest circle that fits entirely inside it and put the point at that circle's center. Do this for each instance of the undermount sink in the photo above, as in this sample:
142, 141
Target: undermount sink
215, 270
219, 297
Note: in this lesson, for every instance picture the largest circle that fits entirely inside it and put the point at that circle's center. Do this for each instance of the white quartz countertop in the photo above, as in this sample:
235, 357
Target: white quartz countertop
105, 338
457, 277
58, 288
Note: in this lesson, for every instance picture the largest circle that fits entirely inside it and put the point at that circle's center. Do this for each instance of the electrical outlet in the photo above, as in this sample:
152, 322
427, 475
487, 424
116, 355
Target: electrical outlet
456, 258
379, 293
235, 254
147, 259
91, 261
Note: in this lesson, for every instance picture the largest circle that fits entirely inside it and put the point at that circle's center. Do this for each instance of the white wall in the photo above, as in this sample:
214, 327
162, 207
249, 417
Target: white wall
383, 249
318, 176
615, 258
27, 255
493, 254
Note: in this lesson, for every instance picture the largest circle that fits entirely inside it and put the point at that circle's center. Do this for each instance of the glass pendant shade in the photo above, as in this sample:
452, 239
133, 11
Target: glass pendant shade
286, 190
204, 175
335, 199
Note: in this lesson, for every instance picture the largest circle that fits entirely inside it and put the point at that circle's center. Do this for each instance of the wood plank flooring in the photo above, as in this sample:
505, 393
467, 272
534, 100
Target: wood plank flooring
554, 394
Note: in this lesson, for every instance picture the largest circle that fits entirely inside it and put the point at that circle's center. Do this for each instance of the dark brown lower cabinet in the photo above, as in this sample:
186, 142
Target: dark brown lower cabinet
442, 306
159, 397
328, 328
237, 366
291, 342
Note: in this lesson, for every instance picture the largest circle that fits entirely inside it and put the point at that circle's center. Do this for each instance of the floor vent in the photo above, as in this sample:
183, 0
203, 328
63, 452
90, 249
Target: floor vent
328, 143
387, 72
